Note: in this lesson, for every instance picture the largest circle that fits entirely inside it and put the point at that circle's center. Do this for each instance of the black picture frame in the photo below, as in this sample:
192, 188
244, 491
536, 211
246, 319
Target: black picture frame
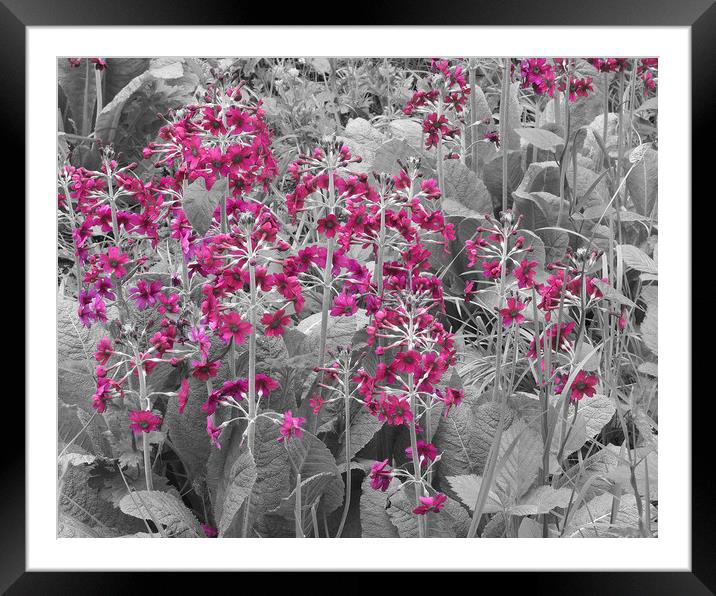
699, 15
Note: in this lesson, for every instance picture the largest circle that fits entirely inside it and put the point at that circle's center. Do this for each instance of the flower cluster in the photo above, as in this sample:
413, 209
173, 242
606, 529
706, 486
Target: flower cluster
445, 94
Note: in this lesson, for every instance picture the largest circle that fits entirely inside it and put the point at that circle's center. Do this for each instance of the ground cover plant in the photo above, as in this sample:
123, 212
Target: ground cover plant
357, 297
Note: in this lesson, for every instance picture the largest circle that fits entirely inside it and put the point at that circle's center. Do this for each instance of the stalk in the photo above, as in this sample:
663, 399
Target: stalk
474, 131
416, 458
251, 397
489, 475
504, 115
347, 447
98, 87
297, 509
440, 161
73, 223
145, 403
327, 274
605, 156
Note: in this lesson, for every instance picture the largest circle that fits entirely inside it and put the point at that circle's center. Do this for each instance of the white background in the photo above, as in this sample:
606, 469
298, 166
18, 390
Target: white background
671, 551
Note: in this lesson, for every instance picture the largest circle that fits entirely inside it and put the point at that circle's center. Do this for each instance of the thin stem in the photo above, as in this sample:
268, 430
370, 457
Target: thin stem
504, 115
297, 510
251, 397
347, 447
98, 87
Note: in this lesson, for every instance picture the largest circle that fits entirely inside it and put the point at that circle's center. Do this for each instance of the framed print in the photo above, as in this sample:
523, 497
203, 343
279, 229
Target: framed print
311, 287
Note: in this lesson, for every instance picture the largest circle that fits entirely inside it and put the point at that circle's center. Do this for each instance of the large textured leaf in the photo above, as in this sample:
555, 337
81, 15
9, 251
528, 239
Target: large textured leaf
83, 502
240, 482
541, 499
541, 138
465, 188
467, 487
464, 438
73, 81
374, 519
518, 461
593, 519
166, 509
637, 259
387, 156
108, 120
649, 326
340, 331
363, 427
363, 140
492, 176
199, 203
643, 183
408, 130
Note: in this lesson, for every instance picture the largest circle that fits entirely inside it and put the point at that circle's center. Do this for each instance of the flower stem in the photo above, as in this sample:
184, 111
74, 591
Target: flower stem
327, 275
474, 140
251, 397
504, 115
98, 87
347, 447
297, 510
146, 404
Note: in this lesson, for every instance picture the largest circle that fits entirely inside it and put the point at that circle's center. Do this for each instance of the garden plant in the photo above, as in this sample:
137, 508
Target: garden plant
357, 297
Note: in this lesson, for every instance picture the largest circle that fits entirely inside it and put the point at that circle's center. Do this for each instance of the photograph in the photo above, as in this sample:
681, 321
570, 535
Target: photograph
357, 297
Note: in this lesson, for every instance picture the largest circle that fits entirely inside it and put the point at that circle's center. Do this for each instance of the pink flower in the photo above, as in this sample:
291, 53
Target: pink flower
583, 384
205, 370
143, 421
146, 294
426, 452
344, 305
265, 384
328, 226
114, 261
232, 326
209, 531
408, 362
512, 313
434, 503
274, 323
316, 402
104, 350
452, 397
291, 427
525, 273
491, 269
380, 475
183, 394
214, 432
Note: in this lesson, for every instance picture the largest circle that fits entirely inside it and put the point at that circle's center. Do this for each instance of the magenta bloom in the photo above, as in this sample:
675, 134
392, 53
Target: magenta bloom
232, 326
209, 531
183, 394
274, 323
146, 294
427, 504
114, 261
452, 397
512, 313
104, 350
214, 432
344, 305
205, 370
426, 452
143, 421
491, 269
380, 475
328, 226
408, 362
265, 384
291, 427
582, 385
525, 273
